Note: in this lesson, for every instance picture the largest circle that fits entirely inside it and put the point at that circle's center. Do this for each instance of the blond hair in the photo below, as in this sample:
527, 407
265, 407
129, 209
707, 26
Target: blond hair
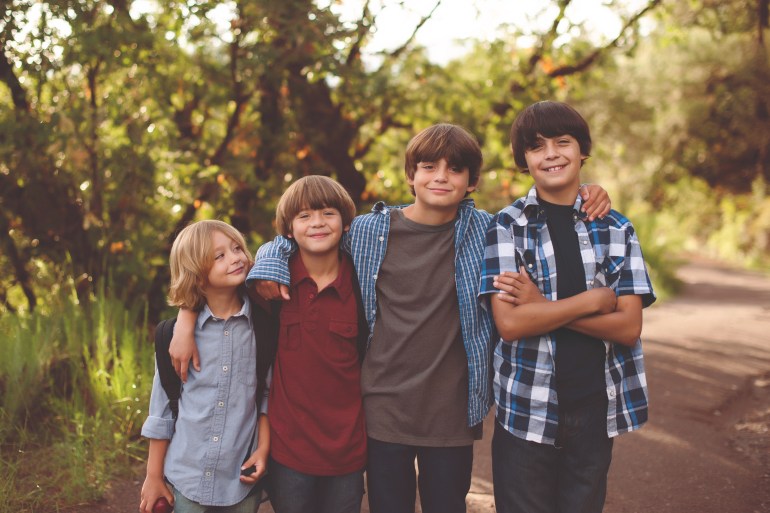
192, 256
313, 192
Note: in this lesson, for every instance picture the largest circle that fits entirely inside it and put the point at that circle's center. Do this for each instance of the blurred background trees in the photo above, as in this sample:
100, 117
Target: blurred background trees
121, 121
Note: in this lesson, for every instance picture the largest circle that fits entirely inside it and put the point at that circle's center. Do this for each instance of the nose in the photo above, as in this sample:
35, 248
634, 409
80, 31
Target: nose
551, 150
316, 219
442, 172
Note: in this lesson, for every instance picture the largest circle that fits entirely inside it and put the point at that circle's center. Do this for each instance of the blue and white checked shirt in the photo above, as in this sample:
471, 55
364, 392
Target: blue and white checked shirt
367, 241
524, 381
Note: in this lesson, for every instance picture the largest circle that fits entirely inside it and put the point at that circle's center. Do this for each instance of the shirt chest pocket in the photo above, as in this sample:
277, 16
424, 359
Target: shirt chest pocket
608, 271
290, 338
247, 367
341, 345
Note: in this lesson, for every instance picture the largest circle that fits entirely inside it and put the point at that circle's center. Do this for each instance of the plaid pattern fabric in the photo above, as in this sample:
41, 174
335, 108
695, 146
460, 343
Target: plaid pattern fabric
367, 242
524, 383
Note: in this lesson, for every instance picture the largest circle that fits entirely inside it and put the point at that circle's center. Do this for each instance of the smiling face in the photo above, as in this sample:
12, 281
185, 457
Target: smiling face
318, 231
554, 163
230, 263
440, 187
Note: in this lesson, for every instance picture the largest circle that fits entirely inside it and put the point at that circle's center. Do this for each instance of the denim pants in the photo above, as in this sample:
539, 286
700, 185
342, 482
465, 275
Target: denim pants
248, 505
295, 492
570, 477
444, 477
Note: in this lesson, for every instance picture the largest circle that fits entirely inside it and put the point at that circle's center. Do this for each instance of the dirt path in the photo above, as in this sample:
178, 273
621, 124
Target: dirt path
706, 448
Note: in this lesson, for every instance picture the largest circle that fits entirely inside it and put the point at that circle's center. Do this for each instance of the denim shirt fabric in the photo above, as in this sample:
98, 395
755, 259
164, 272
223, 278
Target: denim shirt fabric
217, 413
524, 383
367, 240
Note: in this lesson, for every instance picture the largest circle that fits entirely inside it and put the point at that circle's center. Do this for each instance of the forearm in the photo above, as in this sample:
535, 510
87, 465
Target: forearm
156, 457
185, 322
263, 443
623, 326
531, 319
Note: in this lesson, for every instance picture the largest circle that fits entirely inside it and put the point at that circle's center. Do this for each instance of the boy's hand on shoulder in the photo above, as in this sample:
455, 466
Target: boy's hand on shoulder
596, 201
517, 289
271, 290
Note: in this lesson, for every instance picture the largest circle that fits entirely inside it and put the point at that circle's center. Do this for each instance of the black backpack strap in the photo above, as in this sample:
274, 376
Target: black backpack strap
264, 319
171, 383
363, 326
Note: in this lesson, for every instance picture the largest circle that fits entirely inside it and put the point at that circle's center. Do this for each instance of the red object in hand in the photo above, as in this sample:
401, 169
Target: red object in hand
162, 506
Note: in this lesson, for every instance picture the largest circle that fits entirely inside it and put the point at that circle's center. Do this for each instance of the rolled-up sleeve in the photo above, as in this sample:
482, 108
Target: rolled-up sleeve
160, 421
273, 262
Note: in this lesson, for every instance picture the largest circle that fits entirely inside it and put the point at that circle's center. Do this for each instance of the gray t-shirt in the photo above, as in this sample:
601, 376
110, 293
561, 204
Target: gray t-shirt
415, 375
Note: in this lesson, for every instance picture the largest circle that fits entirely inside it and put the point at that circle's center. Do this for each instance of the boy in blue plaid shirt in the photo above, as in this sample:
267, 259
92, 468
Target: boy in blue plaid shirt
568, 368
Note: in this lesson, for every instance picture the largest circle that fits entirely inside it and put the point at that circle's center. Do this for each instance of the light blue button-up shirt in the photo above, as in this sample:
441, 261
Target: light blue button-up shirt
217, 413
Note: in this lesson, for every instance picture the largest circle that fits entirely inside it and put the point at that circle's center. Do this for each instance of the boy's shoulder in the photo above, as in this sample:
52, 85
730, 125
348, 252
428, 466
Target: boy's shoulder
511, 212
615, 219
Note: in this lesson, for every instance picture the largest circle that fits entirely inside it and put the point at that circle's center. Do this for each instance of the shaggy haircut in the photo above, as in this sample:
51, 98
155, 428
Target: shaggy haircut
547, 119
192, 256
313, 192
444, 141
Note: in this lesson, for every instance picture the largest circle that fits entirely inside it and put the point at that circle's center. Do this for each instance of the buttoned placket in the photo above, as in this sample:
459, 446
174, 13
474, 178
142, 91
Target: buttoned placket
218, 421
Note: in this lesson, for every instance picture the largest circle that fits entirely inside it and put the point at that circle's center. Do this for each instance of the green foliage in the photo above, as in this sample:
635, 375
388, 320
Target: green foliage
75, 386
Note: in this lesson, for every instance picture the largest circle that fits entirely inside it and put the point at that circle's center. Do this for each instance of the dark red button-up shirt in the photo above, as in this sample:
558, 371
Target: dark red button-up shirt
315, 409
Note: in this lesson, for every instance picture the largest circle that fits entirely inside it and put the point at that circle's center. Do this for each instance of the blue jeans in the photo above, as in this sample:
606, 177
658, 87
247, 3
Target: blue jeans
570, 477
294, 492
248, 505
444, 480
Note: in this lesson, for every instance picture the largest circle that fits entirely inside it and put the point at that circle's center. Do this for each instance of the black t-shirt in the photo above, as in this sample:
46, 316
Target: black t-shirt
579, 358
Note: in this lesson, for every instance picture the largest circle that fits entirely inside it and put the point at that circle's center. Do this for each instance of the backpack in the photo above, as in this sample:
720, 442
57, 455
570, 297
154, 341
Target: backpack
264, 319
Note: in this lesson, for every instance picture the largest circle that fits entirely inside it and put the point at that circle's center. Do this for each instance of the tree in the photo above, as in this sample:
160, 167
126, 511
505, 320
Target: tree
127, 124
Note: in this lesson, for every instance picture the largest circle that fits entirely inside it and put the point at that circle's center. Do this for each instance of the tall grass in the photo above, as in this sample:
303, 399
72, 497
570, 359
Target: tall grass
75, 382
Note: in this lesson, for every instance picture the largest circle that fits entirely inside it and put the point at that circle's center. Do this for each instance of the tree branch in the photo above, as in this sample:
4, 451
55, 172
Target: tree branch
588, 60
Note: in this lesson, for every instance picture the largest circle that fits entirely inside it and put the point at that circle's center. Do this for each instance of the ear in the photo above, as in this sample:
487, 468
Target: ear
470, 188
346, 228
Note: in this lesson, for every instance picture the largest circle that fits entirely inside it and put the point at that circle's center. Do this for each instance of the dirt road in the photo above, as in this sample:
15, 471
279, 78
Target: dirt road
706, 448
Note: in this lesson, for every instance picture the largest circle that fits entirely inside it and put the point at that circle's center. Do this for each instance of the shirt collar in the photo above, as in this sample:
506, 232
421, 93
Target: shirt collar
342, 283
205, 314
531, 208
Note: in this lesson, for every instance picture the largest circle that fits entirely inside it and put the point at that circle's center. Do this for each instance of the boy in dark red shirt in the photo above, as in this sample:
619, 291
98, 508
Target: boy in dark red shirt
318, 436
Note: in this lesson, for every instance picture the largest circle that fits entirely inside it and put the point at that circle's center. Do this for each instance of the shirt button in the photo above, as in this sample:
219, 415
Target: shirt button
221, 404
208, 474
224, 368
612, 393
530, 265
374, 276
380, 238
227, 332
585, 242
216, 438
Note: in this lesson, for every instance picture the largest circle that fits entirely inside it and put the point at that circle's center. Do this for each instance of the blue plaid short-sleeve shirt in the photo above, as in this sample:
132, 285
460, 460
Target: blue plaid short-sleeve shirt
524, 382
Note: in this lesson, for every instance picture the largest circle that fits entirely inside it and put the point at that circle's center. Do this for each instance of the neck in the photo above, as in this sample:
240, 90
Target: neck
323, 268
224, 303
564, 196
431, 216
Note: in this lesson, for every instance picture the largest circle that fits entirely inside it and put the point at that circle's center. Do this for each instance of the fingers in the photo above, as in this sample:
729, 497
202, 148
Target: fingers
271, 290
196, 359
598, 209
182, 370
596, 201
